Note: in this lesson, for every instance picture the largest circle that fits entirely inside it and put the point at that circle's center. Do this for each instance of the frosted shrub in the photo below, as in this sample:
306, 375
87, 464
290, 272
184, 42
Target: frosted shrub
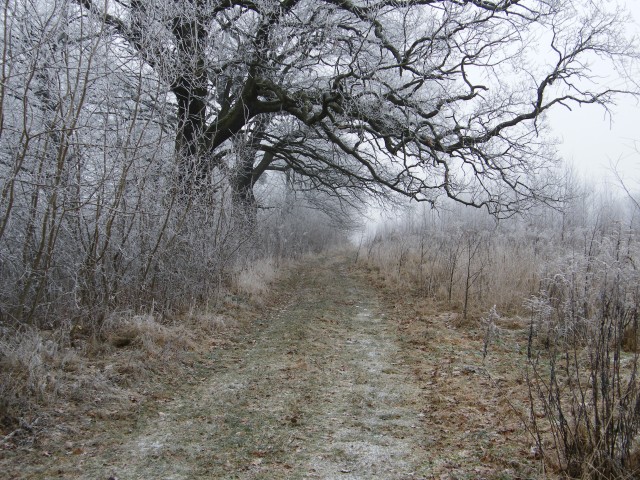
581, 377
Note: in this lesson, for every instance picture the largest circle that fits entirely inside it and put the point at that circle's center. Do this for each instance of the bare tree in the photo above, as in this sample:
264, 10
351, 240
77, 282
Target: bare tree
420, 97
132, 132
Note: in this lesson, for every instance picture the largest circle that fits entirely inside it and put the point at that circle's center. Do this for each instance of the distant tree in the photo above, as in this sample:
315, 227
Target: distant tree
420, 97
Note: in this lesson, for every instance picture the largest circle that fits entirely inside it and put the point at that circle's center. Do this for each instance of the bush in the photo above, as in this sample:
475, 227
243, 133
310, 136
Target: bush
583, 361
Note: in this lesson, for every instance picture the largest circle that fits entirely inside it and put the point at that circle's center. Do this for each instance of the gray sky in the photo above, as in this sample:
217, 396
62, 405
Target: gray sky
591, 139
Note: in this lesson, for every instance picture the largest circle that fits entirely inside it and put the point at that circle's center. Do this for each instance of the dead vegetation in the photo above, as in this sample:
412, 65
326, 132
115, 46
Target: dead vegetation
336, 380
557, 311
474, 390
316, 387
47, 377
546, 389
583, 362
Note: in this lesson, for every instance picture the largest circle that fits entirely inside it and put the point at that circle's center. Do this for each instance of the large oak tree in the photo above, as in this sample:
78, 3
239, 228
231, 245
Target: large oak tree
420, 97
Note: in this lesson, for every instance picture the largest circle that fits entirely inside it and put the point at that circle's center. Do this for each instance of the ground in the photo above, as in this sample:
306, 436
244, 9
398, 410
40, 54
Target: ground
335, 381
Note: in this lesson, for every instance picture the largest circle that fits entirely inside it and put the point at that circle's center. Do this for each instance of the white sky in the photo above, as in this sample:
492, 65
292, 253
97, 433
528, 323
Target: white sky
592, 140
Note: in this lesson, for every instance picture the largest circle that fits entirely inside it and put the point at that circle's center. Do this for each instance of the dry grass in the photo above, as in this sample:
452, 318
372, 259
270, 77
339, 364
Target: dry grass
477, 268
255, 279
31, 365
314, 389
151, 337
46, 377
461, 384
580, 298
365, 389
474, 404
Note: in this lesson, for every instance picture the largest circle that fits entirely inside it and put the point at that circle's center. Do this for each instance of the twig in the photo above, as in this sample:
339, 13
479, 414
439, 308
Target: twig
23, 426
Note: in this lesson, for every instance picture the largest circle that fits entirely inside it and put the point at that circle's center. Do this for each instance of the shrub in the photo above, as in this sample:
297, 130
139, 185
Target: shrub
584, 374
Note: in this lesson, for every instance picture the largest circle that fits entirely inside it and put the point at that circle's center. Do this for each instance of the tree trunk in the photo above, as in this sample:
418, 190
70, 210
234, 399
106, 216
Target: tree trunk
244, 176
191, 90
243, 198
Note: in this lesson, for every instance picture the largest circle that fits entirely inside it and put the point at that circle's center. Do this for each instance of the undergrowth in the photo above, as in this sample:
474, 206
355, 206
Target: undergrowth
583, 362
42, 371
576, 285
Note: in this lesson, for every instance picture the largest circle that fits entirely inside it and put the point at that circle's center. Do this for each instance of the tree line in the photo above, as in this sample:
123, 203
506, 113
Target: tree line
143, 142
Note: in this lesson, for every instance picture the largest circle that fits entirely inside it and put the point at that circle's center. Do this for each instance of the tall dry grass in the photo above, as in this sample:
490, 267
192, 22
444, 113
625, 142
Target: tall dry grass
574, 277
464, 265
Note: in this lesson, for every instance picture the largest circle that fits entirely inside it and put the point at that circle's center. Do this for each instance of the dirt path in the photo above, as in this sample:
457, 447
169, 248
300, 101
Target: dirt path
317, 390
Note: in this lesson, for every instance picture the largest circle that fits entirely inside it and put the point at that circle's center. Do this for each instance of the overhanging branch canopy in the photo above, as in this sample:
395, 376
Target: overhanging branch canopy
421, 97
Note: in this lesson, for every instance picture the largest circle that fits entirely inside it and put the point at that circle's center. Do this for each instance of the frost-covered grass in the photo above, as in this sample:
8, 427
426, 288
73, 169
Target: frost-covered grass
571, 288
328, 383
256, 277
48, 374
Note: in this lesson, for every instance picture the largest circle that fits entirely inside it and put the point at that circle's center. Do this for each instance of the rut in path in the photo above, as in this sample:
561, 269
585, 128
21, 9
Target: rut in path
317, 390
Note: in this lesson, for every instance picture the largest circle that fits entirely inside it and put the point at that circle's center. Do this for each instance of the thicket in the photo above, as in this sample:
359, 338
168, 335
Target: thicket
98, 242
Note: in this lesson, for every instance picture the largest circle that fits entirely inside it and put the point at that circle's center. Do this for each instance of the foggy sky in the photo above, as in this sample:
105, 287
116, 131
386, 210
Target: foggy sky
591, 139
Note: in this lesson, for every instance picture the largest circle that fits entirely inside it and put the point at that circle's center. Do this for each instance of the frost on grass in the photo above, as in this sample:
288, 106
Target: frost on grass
323, 386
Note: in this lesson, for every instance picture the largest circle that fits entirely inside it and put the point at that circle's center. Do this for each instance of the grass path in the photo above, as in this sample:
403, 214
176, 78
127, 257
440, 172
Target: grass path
315, 392
323, 387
